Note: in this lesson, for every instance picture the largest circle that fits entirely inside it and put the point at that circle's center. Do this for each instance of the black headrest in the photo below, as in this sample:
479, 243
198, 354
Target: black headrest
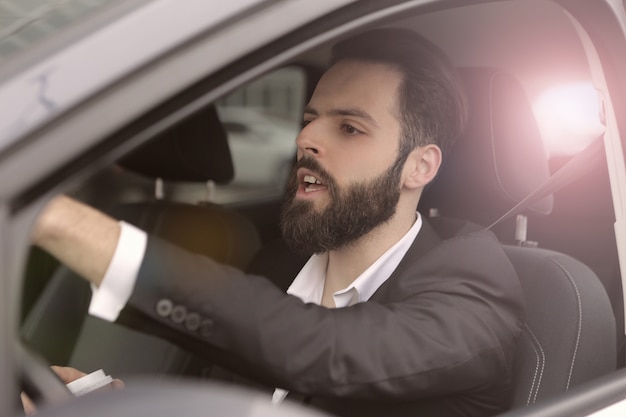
498, 160
196, 149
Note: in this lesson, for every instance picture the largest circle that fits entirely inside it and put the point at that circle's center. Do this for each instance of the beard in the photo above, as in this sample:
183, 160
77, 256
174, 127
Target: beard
350, 214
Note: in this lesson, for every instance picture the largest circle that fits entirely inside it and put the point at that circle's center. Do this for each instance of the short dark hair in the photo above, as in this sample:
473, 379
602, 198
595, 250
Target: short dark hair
431, 97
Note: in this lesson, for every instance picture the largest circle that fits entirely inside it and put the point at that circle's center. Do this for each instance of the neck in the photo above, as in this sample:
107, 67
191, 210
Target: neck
347, 263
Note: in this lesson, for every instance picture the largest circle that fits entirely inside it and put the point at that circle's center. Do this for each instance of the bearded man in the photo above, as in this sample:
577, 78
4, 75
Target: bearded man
390, 315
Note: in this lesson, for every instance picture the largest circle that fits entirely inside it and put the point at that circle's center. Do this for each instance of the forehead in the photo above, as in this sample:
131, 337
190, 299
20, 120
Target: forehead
352, 83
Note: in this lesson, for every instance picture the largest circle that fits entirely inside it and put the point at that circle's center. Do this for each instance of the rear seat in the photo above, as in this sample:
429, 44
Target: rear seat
58, 326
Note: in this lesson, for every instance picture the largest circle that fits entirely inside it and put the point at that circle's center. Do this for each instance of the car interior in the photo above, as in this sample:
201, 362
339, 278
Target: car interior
183, 186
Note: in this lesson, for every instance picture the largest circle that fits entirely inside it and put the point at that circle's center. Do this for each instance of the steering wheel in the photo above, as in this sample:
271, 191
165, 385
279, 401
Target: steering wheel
146, 398
38, 380
143, 398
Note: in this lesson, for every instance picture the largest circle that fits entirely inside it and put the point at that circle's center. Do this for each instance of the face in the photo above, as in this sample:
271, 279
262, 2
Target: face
347, 179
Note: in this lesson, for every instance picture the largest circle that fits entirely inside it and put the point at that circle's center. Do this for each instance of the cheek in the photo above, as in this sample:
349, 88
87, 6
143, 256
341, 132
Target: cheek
362, 166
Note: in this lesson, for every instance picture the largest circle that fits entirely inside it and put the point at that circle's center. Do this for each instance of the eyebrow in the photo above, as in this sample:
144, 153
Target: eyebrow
352, 111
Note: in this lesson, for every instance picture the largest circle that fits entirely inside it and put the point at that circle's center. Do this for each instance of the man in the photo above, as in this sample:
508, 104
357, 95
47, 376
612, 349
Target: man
389, 316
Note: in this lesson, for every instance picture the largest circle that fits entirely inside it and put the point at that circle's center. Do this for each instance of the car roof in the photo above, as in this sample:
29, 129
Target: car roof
485, 34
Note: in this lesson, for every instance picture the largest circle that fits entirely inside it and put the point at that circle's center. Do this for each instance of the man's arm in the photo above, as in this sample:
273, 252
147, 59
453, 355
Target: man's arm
79, 236
443, 324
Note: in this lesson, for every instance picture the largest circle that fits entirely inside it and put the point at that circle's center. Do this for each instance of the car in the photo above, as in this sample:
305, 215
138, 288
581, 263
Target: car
108, 101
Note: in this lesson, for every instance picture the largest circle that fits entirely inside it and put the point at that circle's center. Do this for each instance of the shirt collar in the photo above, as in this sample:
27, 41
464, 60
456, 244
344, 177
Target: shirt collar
309, 283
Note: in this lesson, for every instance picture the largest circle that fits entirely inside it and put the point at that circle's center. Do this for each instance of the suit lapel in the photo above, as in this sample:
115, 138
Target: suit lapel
426, 239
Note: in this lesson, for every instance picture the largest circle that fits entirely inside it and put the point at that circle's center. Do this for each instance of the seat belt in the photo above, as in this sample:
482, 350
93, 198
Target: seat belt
575, 168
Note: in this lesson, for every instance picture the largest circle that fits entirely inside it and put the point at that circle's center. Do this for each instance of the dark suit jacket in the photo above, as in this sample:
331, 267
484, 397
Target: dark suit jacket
437, 339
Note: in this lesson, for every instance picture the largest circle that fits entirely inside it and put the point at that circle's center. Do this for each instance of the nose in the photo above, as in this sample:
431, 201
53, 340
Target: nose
308, 142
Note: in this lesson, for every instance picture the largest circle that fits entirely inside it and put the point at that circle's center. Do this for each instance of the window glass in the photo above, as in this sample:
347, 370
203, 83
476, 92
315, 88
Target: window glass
262, 119
25, 22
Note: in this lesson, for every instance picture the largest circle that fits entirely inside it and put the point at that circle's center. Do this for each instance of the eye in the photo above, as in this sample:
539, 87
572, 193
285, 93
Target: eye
350, 130
305, 123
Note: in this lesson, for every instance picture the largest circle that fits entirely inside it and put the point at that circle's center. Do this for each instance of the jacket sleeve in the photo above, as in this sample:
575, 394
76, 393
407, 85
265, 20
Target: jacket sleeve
442, 325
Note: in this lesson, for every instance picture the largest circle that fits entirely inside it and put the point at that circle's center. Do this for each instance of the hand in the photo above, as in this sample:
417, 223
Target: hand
67, 375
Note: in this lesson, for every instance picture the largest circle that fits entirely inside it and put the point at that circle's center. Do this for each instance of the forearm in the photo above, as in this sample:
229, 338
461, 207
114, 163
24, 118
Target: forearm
79, 236
390, 348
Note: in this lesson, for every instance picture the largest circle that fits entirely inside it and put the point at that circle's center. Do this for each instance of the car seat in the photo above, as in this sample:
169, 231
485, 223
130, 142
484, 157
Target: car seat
570, 333
58, 327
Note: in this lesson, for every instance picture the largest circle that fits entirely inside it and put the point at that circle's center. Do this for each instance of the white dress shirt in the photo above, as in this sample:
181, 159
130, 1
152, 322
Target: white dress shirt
117, 285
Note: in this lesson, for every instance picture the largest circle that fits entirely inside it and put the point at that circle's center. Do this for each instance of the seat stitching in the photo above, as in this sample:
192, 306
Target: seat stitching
580, 319
541, 360
532, 385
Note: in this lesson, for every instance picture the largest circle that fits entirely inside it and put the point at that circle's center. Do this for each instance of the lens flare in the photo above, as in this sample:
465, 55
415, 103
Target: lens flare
568, 117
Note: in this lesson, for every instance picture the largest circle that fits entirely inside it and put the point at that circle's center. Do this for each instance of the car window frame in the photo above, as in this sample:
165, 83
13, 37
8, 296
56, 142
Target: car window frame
24, 197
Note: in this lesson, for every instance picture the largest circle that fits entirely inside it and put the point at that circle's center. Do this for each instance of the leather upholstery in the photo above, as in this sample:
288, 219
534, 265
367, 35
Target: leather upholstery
570, 333
497, 162
194, 150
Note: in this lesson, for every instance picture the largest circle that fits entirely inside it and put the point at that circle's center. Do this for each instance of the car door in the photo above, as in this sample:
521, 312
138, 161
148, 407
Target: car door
47, 121
55, 149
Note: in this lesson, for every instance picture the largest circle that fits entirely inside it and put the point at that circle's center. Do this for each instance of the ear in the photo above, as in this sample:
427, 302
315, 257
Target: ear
421, 166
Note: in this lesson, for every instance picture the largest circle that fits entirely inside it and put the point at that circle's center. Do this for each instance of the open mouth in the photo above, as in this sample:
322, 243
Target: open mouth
312, 183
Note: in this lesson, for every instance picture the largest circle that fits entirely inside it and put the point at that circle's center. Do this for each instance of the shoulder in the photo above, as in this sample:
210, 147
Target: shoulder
460, 257
455, 241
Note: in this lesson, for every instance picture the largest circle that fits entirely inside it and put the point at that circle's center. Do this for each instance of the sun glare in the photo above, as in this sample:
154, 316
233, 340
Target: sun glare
568, 117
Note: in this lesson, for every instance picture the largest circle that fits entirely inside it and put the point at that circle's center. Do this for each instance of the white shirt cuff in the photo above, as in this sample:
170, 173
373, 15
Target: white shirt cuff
119, 280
